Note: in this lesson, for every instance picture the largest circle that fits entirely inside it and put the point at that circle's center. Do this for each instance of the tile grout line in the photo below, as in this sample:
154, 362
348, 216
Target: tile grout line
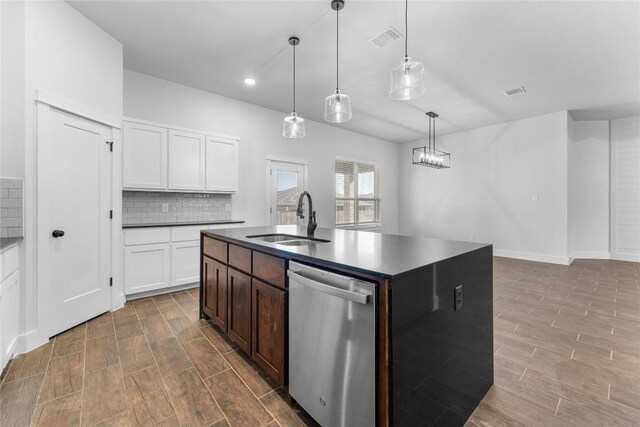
192, 365
42, 383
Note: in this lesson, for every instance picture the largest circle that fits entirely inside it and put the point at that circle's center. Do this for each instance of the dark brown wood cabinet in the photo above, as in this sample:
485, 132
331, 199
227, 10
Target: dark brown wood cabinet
251, 312
214, 291
269, 317
239, 308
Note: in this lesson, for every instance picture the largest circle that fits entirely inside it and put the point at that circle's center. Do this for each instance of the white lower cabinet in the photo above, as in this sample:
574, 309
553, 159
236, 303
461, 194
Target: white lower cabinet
146, 267
162, 257
185, 262
9, 303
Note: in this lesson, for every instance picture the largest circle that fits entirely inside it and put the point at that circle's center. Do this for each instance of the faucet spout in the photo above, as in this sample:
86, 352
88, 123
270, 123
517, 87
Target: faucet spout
311, 226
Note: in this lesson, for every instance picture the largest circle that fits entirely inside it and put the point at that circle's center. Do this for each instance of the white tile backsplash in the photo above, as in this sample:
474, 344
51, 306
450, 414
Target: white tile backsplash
11, 207
146, 207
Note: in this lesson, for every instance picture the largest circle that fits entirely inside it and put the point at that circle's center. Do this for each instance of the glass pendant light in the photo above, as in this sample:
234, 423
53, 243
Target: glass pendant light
429, 156
407, 78
293, 126
337, 106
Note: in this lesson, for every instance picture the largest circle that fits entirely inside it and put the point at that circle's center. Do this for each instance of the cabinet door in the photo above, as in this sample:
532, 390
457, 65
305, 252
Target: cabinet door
214, 294
185, 262
9, 312
144, 156
186, 161
147, 267
239, 306
222, 165
269, 314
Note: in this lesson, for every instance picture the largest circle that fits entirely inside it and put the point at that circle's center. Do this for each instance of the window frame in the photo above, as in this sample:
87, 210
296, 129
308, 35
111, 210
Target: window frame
376, 199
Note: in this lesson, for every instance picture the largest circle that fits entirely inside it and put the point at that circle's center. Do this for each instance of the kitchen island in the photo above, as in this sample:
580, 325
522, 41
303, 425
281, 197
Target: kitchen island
433, 311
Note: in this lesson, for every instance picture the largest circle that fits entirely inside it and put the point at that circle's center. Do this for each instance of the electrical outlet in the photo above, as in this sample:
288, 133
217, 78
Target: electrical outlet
228, 207
473, 237
165, 207
535, 197
457, 298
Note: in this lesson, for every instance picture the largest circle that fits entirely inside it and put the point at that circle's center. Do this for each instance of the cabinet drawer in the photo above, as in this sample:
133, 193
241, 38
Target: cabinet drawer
215, 249
147, 236
186, 233
240, 258
269, 268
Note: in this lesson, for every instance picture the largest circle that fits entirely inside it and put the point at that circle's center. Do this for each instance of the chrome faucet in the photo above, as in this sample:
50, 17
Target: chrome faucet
311, 227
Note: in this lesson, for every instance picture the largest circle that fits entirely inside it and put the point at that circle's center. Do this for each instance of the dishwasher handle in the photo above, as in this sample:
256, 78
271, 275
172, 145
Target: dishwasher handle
358, 297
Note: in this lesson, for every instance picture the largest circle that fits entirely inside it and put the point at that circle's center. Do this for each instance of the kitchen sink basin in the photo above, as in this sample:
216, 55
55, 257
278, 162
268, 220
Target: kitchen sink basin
287, 239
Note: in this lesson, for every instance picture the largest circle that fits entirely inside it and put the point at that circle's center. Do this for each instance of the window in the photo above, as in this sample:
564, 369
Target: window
357, 193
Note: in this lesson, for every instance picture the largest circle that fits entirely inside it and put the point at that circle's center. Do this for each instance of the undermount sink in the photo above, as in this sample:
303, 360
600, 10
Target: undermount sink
288, 239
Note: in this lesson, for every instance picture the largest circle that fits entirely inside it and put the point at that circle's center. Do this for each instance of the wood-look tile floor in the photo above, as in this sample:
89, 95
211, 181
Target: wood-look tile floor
567, 352
566, 343
152, 362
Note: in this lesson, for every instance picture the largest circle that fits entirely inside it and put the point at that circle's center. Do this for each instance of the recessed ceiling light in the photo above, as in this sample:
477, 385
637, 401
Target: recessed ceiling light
249, 81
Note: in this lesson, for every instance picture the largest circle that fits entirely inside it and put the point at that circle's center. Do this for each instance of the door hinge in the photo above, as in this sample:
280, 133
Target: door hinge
270, 210
110, 281
270, 171
110, 145
111, 214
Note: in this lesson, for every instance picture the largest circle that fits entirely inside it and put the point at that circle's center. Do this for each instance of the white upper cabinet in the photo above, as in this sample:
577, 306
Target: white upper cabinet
222, 165
170, 159
145, 156
186, 161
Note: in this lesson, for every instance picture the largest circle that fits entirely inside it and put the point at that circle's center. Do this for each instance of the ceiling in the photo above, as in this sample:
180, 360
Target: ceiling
581, 56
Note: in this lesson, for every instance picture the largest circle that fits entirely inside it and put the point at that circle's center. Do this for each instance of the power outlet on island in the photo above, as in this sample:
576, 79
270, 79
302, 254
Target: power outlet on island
165, 207
457, 298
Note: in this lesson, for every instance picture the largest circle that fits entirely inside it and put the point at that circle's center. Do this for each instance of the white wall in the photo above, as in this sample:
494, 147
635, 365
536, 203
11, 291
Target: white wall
260, 133
589, 189
69, 56
12, 125
487, 193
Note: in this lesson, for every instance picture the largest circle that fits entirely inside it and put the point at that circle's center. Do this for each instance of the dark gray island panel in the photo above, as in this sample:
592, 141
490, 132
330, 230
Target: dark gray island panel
441, 357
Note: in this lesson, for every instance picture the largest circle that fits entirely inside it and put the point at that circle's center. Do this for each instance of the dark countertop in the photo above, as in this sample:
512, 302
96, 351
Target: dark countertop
5, 242
385, 255
180, 224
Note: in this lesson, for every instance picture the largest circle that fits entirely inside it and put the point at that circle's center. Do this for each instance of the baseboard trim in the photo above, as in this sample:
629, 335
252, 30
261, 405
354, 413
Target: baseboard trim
590, 255
530, 256
154, 292
626, 257
29, 341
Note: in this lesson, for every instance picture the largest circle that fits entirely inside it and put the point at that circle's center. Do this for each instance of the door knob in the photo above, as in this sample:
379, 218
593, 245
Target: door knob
57, 233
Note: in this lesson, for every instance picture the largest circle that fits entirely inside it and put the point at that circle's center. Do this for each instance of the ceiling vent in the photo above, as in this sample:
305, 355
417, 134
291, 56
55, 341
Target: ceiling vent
516, 91
385, 37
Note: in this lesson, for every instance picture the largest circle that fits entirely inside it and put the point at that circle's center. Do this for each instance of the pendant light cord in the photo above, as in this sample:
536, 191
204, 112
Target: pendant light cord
406, 27
337, 48
429, 134
294, 78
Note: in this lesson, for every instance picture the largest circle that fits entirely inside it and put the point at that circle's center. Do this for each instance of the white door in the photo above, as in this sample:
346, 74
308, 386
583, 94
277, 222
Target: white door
286, 183
74, 198
144, 156
222, 165
625, 189
186, 161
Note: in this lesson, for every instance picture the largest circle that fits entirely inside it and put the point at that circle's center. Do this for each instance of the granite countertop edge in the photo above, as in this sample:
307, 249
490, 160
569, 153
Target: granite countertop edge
8, 242
181, 224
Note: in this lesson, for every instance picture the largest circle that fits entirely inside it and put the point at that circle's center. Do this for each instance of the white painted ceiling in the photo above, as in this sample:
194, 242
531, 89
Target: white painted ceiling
581, 56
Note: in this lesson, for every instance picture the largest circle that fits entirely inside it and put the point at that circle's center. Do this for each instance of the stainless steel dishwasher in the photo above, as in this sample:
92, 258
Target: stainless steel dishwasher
332, 333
